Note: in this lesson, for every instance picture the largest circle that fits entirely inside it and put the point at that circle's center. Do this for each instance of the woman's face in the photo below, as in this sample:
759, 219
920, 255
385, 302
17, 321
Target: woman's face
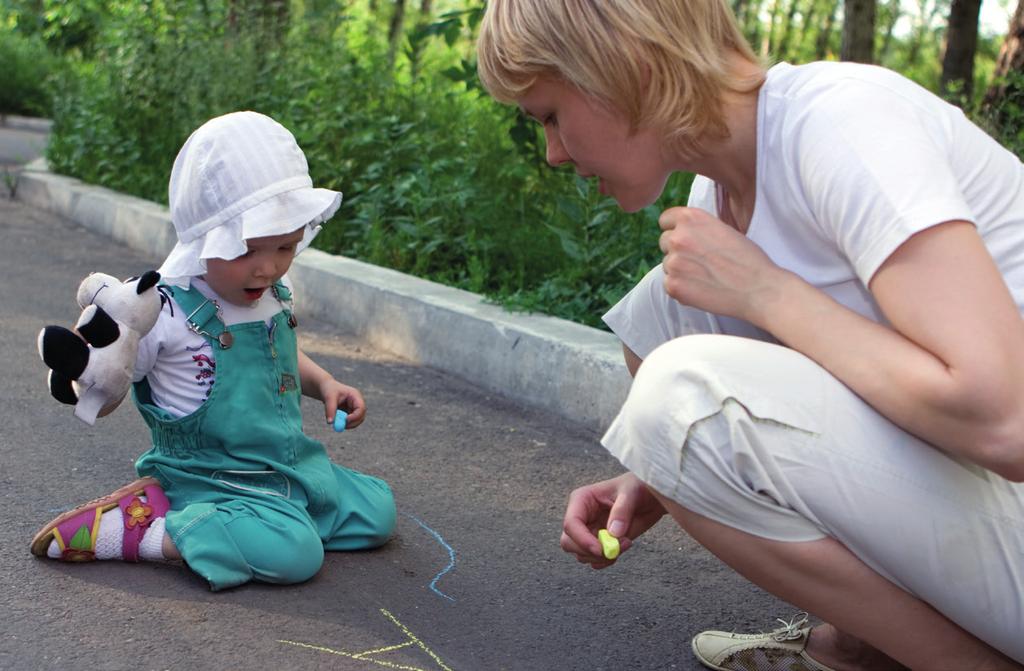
578, 130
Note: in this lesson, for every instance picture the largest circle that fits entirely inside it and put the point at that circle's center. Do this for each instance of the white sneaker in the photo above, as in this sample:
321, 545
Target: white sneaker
779, 650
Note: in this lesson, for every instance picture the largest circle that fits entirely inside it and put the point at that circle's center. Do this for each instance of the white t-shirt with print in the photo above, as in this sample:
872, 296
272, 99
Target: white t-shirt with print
852, 160
181, 365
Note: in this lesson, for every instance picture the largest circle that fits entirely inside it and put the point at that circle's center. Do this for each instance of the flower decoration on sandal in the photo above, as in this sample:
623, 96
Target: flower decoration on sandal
137, 513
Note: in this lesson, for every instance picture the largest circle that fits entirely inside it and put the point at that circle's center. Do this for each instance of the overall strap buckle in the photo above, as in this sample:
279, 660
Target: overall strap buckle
204, 319
284, 297
225, 338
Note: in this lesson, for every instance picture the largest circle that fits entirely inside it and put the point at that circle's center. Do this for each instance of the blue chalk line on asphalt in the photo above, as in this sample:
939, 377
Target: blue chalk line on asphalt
451, 557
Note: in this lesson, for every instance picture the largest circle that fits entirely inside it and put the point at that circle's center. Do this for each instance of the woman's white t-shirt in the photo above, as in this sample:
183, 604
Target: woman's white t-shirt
852, 160
180, 364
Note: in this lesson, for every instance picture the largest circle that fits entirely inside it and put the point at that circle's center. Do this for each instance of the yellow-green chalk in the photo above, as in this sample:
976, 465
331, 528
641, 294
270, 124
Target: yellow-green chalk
609, 544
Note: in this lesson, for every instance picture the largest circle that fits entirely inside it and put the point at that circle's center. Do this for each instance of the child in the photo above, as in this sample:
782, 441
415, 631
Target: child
231, 484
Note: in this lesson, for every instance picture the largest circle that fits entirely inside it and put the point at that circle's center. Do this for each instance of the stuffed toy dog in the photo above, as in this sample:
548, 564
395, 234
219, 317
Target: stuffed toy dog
92, 366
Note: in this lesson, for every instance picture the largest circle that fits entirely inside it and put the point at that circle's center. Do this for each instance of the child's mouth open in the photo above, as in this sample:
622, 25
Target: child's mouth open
254, 294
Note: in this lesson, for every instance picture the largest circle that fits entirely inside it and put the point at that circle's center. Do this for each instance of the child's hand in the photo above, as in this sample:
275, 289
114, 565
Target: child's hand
336, 395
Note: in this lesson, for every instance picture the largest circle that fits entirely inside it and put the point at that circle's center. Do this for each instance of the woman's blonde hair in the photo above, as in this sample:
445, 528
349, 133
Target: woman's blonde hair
662, 63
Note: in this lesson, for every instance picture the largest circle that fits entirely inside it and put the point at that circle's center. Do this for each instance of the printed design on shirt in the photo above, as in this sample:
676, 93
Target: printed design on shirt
207, 368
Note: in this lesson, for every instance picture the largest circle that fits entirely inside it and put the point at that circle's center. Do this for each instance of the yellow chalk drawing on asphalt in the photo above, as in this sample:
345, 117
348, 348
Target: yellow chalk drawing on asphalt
366, 655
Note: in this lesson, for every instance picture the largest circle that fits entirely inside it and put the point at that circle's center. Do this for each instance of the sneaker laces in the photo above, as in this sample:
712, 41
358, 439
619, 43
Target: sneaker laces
792, 630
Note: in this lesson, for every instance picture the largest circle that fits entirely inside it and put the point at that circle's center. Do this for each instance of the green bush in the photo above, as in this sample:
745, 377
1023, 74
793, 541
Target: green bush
25, 72
439, 181
1004, 119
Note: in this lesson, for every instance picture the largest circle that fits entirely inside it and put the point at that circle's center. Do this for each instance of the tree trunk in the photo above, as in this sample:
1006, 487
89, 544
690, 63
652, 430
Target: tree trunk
892, 17
752, 28
417, 42
926, 16
957, 81
808, 21
773, 23
825, 35
785, 41
917, 36
395, 30
269, 15
858, 31
739, 10
1011, 58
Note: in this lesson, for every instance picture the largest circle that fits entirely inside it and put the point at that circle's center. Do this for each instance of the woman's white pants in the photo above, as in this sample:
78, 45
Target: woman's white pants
760, 438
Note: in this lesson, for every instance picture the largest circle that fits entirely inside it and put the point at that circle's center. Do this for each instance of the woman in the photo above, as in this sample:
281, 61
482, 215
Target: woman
846, 428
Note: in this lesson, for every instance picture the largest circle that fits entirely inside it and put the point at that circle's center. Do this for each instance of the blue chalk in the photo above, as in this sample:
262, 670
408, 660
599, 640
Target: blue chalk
339, 420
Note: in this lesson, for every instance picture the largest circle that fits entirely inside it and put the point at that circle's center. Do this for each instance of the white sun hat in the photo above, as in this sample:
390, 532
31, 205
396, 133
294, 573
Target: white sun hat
239, 176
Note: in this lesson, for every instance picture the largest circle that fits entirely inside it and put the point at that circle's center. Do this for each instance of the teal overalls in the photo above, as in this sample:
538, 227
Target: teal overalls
252, 497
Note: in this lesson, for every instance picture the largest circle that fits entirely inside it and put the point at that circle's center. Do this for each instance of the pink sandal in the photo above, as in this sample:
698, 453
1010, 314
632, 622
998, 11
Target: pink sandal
75, 531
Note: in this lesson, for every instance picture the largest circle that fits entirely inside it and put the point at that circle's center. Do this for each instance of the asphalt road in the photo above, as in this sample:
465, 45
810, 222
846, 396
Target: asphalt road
473, 579
21, 140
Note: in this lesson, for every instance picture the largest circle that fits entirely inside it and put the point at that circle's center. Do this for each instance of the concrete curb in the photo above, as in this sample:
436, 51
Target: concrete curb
26, 123
563, 367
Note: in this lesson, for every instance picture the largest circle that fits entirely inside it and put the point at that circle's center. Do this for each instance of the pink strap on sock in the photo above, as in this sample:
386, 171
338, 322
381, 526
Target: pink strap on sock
138, 515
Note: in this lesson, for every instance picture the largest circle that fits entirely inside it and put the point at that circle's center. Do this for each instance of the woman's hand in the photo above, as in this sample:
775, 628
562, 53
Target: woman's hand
711, 266
336, 395
623, 505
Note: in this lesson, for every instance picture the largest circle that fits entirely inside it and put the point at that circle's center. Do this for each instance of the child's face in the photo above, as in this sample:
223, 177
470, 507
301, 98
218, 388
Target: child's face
243, 280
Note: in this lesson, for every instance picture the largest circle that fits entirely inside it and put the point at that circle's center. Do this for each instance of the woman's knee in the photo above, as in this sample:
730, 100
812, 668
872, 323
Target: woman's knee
710, 421
702, 351
690, 378
680, 367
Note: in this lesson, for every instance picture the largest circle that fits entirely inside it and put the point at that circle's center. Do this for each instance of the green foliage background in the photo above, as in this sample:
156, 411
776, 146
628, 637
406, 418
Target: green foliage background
439, 180
25, 66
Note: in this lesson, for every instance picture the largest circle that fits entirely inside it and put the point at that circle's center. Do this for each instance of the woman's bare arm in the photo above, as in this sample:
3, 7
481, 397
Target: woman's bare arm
950, 369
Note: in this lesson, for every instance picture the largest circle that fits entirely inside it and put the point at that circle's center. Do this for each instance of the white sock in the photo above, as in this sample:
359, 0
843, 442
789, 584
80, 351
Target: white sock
111, 536
151, 547
109, 540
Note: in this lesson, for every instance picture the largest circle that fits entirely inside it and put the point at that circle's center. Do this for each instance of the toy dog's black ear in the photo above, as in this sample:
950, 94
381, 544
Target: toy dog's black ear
97, 327
147, 281
61, 389
63, 351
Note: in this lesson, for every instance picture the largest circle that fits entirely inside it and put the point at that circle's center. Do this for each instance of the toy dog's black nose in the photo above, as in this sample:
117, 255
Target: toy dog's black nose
147, 281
